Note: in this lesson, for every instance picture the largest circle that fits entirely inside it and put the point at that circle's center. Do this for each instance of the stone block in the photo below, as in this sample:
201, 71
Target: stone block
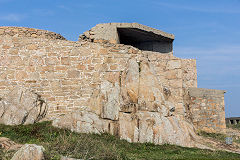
65, 60
73, 74
174, 74
32, 47
111, 104
128, 127
173, 64
21, 75
103, 51
51, 61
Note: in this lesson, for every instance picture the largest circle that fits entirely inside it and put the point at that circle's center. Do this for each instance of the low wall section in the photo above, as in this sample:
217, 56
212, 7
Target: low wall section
207, 109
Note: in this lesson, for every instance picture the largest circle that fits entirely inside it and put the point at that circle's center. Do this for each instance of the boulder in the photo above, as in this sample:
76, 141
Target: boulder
29, 152
29, 106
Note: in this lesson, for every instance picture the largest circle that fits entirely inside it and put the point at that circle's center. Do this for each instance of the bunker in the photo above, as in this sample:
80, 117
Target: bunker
134, 34
233, 120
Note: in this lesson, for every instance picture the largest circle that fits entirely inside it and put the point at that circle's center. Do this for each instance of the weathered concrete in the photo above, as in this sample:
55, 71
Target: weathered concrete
134, 34
232, 120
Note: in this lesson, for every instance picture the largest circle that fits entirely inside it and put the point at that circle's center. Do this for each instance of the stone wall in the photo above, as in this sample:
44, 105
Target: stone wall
59, 69
105, 87
174, 74
65, 73
207, 109
29, 32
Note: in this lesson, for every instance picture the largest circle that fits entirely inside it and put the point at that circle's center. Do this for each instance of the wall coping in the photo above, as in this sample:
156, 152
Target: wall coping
29, 32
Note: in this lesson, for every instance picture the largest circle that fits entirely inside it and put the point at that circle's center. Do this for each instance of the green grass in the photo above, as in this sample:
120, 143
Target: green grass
217, 136
234, 126
93, 146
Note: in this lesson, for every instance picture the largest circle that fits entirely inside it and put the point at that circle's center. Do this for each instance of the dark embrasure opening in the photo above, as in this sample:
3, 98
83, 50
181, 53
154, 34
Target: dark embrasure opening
144, 40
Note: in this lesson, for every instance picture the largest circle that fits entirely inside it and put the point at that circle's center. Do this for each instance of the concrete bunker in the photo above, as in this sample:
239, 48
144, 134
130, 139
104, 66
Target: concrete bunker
144, 40
134, 34
233, 120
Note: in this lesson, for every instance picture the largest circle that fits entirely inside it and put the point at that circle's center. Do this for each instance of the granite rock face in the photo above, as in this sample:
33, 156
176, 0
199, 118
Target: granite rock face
29, 152
82, 121
134, 108
21, 106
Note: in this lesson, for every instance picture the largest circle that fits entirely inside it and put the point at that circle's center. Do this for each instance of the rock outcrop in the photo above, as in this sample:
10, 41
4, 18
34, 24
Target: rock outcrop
21, 106
134, 108
29, 152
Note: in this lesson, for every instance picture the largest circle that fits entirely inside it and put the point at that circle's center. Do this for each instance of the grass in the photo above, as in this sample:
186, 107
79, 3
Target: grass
234, 126
218, 136
59, 142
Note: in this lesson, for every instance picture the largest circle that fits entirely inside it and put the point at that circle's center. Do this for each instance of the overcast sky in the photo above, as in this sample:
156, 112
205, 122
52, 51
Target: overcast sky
207, 30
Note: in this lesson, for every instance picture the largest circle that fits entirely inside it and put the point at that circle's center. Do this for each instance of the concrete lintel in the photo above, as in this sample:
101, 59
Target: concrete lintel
201, 92
103, 28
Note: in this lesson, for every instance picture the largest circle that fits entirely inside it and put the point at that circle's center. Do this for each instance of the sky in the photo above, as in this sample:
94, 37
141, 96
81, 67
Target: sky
206, 30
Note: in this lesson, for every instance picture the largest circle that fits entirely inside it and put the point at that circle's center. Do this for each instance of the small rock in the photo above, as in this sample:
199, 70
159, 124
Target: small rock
66, 158
7, 144
29, 152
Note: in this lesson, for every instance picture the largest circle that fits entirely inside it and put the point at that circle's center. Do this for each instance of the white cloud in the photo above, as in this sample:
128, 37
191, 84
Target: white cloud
12, 17
43, 12
63, 7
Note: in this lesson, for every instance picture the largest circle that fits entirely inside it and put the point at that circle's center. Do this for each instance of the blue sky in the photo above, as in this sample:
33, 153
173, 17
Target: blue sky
207, 30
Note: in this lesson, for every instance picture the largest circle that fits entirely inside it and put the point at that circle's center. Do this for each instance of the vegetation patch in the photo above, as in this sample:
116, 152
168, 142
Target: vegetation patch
234, 126
217, 136
59, 142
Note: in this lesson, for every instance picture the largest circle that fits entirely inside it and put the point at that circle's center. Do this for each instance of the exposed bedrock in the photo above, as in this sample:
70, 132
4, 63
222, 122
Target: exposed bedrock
131, 104
21, 106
